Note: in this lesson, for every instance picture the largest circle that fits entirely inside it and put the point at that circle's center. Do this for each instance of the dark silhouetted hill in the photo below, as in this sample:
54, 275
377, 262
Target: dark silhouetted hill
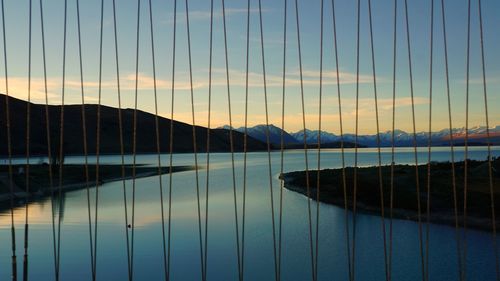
109, 132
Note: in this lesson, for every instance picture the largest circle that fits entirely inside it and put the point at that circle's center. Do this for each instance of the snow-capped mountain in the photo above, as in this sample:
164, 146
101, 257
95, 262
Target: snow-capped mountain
312, 136
260, 132
476, 136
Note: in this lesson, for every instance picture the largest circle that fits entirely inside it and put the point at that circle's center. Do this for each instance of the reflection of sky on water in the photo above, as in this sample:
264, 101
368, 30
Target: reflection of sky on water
221, 248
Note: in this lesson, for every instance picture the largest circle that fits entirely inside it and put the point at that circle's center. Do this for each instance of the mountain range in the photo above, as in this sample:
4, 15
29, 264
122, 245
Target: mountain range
477, 136
146, 140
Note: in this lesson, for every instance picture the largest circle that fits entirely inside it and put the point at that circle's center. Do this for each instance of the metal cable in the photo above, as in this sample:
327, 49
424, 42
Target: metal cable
417, 181
268, 142
84, 130
194, 139
49, 144
490, 172
391, 203
28, 115
157, 130
454, 185
171, 143
466, 148
61, 143
355, 168
9, 149
342, 150
282, 144
381, 187
134, 145
245, 144
305, 141
319, 137
429, 145
120, 125
98, 140
208, 135
231, 141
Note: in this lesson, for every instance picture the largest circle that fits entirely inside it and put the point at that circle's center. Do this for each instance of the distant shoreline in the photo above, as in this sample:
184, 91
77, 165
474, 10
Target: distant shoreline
73, 178
295, 147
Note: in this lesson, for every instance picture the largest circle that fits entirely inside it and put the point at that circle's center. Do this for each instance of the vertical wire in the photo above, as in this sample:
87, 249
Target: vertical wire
84, 132
171, 142
28, 116
466, 140
282, 143
208, 133
9, 149
134, 145
61, 142
490, 172
452, 150
305, 141
417, 181
344, 185
319, 137
355, 168
231, 141
391, 203
245, 144
98, 140
268, 140
429, 144
381, 187
194, 139
49, 145
120, 124
157, 130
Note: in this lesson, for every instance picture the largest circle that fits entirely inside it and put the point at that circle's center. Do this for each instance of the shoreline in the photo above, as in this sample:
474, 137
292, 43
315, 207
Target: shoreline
298, 146
476, 223
331, 192
43, 191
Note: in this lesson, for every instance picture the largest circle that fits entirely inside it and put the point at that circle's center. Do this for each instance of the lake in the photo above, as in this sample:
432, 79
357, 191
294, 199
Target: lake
222, 257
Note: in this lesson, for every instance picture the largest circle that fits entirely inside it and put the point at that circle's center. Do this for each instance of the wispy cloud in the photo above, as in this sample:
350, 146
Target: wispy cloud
309, 77
367, 105
18, 86
293, 120
479, 80
330, 77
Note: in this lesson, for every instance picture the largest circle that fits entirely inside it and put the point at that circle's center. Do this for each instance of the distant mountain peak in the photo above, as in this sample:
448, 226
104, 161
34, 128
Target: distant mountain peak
260, 131
226, 127
401, 138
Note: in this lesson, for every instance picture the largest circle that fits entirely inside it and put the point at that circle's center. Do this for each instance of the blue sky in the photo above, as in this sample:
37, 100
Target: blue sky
273, 11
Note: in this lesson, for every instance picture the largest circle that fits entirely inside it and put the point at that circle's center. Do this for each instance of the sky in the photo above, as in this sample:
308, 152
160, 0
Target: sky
419, 15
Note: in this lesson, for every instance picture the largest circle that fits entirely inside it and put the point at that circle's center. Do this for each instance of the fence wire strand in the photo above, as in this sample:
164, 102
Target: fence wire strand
305, 141
417, 180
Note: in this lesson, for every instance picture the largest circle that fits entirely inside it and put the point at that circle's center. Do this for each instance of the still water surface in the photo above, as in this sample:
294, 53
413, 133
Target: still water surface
222, 263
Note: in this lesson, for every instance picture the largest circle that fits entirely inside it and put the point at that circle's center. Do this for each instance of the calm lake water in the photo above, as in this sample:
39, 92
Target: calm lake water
222, 263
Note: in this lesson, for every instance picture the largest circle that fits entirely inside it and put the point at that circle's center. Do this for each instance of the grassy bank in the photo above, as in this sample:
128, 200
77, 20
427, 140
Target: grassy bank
74, 177
404, 195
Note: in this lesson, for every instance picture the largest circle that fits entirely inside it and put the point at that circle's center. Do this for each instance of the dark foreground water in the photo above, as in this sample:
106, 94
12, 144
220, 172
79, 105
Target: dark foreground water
222, 262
